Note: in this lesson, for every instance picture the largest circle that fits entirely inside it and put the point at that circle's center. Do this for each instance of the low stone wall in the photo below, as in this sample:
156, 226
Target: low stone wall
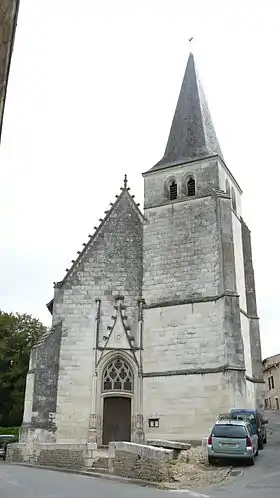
139, 461
71, 456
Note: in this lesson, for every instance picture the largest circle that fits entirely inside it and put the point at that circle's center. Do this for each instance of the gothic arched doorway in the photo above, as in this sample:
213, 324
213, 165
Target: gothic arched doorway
117, 386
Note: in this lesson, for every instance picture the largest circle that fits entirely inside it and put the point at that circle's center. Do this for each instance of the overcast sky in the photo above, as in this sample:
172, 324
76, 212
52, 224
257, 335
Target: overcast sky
92, 92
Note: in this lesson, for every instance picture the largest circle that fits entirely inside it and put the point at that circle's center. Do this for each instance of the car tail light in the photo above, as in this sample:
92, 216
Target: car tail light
210, 440
248, 442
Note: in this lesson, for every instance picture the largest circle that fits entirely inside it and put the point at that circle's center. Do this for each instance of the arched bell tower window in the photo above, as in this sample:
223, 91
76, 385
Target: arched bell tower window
227, 187
233, 199
117, 376
173, 190
191, 186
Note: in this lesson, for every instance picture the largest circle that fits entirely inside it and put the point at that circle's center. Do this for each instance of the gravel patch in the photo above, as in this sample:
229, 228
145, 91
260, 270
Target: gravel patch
192, 470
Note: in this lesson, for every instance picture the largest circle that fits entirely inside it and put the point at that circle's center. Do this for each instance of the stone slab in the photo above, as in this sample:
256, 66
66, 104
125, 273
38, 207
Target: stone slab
172, 445
139, 449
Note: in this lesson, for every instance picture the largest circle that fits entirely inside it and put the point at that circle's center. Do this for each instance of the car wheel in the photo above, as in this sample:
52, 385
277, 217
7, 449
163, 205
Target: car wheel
211, 460
260, 444
251, 461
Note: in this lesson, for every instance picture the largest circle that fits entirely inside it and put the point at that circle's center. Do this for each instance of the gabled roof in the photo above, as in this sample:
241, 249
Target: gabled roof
192, 135
125, 191
48, 332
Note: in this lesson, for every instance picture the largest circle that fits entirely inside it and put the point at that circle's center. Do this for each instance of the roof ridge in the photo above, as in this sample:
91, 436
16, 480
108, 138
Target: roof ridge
46, 334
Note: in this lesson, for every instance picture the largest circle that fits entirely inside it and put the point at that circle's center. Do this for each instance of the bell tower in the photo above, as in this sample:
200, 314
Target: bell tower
197, 359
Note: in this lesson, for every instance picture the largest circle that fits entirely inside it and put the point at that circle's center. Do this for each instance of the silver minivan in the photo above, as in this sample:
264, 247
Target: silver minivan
232, 439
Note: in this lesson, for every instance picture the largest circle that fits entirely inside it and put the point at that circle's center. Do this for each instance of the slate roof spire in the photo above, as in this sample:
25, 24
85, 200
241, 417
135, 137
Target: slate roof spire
192, 135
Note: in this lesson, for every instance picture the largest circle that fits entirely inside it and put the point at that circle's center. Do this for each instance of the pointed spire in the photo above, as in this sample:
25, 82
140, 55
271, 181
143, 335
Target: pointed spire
192, 135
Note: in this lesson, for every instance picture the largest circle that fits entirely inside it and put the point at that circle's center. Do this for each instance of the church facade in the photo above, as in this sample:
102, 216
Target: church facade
155, 328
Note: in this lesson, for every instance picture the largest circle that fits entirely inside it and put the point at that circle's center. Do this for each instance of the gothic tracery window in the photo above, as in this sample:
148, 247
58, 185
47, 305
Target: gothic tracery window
117, 376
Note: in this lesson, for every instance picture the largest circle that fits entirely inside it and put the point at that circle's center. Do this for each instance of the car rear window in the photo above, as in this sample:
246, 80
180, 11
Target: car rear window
229, 430
244, 416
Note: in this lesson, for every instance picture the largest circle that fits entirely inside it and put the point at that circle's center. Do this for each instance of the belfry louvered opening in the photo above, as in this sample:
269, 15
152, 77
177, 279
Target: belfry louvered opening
191, 186
173, 190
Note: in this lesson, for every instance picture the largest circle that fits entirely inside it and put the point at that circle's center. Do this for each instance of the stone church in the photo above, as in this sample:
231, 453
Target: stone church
155, 328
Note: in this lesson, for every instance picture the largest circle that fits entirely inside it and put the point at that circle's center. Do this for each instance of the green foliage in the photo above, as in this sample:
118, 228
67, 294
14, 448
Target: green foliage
18, 334
13, 431
10, 431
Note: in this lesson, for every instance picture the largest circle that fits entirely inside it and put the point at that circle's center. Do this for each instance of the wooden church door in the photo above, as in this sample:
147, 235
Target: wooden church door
116, 419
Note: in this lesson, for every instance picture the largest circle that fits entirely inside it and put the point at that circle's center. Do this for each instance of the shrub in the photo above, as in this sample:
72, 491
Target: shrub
14, 431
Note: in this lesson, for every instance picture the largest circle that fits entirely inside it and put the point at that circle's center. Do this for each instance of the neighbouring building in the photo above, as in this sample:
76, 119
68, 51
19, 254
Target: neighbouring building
155, 327
271, 374
8, 21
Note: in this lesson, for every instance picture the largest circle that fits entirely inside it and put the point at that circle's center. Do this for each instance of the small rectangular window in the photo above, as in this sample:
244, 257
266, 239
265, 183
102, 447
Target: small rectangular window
153, 422
266, 403
270, 383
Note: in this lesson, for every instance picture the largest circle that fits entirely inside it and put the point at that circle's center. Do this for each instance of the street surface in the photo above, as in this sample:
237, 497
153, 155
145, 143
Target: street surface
260, 481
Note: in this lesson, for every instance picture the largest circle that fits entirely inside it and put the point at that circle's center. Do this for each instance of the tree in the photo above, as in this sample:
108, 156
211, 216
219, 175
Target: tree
18, 334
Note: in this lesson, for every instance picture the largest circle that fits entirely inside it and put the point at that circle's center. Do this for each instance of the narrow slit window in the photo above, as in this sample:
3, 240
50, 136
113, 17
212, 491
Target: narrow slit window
227, 187
173, 190
233, 199
191, 186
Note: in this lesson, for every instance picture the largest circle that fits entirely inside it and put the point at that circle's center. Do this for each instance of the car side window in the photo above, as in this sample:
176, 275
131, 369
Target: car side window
250, 430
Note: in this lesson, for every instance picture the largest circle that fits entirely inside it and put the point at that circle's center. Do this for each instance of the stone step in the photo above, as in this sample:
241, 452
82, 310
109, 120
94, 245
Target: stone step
100, 462
100, 470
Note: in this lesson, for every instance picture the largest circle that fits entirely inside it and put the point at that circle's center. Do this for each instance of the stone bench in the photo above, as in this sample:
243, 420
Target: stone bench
169, 445
177, 447
139, 461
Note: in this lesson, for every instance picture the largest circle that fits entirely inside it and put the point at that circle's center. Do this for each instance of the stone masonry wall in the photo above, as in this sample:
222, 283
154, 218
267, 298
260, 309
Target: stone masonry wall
188, 405
67, 456
193, 344
112, 265
45, 380
139, 461
184, 337
181, 255
205, 173
254, 328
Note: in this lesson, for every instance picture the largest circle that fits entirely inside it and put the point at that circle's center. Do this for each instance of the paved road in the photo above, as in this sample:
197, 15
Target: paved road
260, 481
21, 482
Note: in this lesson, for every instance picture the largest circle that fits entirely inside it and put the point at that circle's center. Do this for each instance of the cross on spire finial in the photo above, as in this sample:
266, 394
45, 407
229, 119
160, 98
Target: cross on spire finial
125, 181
